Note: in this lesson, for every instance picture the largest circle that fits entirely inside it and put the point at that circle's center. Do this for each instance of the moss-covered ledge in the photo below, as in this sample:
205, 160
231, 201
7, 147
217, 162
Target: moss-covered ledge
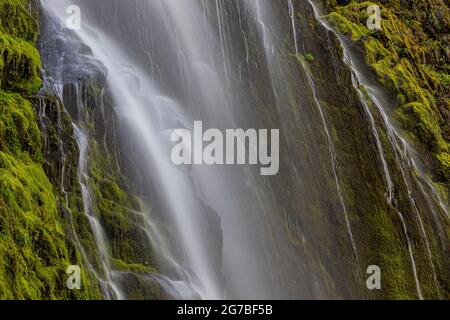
410, 56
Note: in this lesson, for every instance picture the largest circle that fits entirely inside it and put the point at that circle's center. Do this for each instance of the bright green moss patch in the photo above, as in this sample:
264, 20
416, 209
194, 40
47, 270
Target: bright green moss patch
20, 65
356, 31
20, 62
421, 121
309, 57
33, 250
444, 164
19, 132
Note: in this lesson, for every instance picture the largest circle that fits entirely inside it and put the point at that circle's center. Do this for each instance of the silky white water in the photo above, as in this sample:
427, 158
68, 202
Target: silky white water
149, 114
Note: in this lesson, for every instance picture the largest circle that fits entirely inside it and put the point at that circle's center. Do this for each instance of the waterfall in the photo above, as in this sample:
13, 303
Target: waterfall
226, 232
55, 84
203, 199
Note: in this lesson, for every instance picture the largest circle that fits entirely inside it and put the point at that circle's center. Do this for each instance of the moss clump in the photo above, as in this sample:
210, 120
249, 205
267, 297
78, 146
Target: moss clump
444, 164
356, 31
421, 121
309, 57
20, 65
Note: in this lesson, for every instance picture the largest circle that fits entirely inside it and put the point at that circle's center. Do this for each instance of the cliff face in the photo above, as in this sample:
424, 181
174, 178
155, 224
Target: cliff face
406, 63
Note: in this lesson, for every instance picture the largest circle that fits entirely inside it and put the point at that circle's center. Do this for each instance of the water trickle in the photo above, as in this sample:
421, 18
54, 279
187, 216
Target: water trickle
294, 28
110, 287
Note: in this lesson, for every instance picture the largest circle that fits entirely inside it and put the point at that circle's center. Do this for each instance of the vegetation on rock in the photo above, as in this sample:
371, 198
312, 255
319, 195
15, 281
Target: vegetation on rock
34, 248
410, 57
384, 230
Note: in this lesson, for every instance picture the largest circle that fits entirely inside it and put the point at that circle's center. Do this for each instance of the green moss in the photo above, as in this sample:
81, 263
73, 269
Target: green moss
20, 62
115, 209
16, 20
20, 65
133, 267
407, 58
421, 121
387, 250
444, 164
356, 31
35, 250
309, 57
19, 132
437, 77
33, 247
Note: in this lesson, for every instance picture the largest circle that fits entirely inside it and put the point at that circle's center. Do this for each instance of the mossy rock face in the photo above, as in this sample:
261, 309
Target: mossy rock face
35, 250
421, 121
410, 57
114, 206
16, 20
129, 253
20, 62
19, 132
444, 164
377, 223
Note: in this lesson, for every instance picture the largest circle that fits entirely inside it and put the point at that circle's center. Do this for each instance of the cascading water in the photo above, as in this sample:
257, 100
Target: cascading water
55, 83
148, 113
220, 231
109, 286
